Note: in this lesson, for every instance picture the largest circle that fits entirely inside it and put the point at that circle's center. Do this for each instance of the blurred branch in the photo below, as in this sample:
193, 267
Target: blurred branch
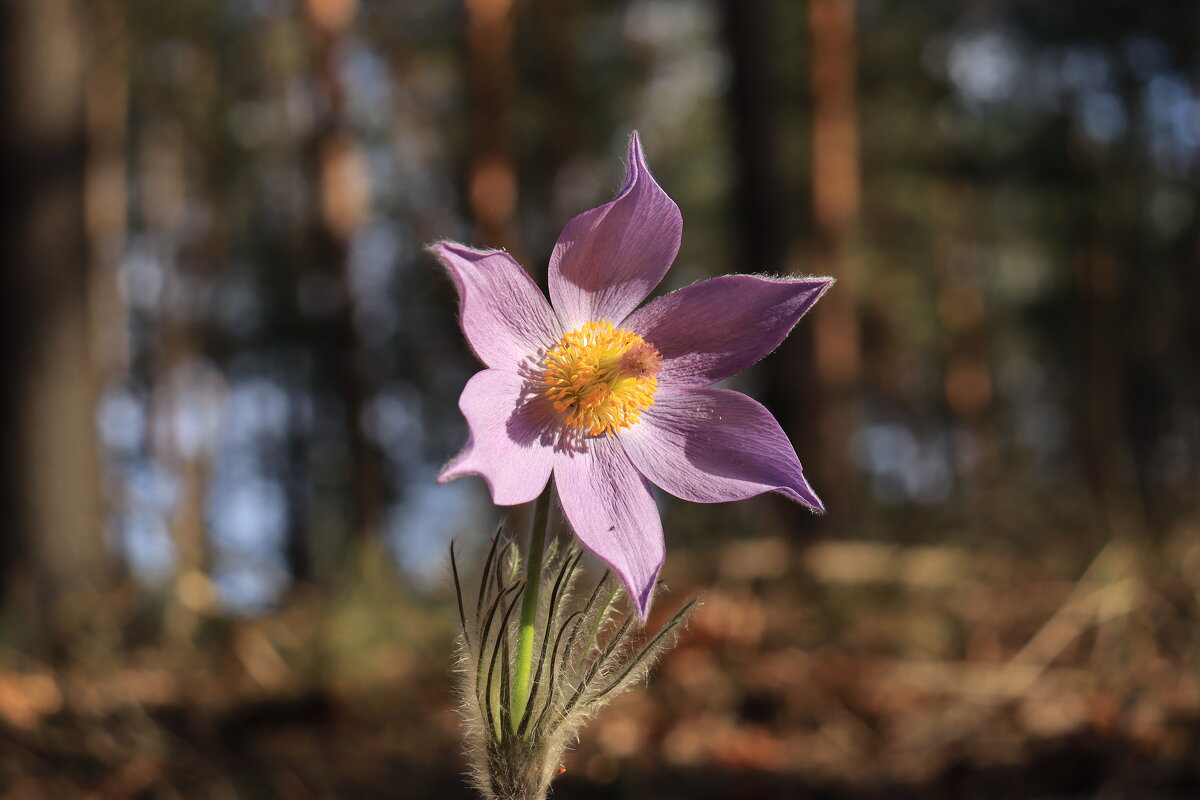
1096, 598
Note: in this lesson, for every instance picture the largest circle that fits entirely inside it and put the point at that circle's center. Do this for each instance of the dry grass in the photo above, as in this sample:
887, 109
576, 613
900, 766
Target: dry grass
841, 669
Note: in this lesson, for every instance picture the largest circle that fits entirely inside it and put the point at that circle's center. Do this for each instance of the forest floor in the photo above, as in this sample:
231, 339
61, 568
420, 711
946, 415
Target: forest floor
837, 670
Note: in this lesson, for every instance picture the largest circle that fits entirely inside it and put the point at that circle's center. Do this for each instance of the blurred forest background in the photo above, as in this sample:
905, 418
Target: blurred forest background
230, 376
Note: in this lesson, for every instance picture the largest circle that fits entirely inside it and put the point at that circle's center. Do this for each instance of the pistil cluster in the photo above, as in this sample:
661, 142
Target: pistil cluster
601, 377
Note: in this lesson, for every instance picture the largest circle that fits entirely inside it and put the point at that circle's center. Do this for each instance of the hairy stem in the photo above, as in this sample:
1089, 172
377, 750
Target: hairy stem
527, 632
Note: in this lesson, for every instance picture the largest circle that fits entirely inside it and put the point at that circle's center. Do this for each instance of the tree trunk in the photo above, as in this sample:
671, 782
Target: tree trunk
967, 386
339, 175
758, 204
556, 67
492, 176
835, 188
54, 559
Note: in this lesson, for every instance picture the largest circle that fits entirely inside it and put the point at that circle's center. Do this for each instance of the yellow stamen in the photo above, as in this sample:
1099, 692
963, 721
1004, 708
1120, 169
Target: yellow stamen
601, 378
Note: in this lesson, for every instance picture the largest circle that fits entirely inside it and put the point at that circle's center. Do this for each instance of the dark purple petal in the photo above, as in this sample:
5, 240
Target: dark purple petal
612, 511
608, 259
716, 328
503, 313
512, 437
714, 445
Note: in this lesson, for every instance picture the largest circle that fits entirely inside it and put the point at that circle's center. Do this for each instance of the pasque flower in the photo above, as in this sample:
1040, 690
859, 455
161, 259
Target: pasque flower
611, 398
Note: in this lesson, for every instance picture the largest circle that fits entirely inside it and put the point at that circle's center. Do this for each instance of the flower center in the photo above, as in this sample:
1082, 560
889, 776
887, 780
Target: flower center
601, 378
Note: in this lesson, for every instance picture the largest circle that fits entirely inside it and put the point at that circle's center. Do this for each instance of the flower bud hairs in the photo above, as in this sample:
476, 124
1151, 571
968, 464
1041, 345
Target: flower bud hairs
589, 651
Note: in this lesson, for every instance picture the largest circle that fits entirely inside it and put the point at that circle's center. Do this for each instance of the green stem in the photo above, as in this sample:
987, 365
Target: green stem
527, 632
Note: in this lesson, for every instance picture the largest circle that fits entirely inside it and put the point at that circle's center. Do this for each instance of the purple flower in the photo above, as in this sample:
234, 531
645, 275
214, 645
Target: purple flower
611, 399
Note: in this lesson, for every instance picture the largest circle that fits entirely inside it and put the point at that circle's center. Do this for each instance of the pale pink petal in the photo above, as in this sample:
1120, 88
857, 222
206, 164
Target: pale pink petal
503, 313
608, 260
716, 328
513, 433
714, 445
612, 510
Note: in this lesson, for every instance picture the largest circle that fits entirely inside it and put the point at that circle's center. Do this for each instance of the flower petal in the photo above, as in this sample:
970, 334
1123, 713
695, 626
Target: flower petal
513, 432
608, 259
714, 445
716, 328
504, 314
612, 511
